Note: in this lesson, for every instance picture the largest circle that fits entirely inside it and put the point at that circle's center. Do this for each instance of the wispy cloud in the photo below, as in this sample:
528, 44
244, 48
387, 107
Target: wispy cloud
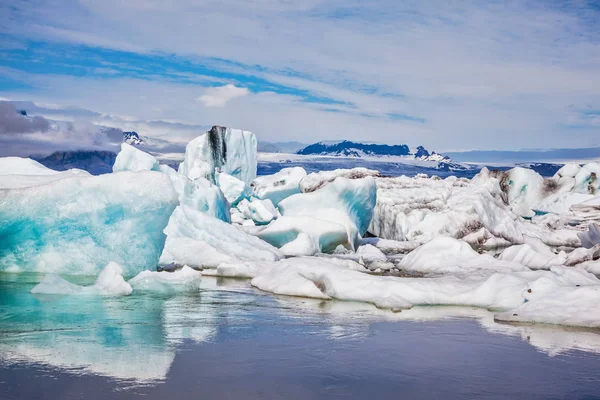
474, 74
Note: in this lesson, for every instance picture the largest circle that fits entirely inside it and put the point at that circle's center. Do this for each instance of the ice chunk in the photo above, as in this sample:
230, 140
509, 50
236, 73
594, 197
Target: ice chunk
233, 189
201, 195
78, 225
132, 159
192, 252
205, 232
448, 255
590, 238
568, 171
587, 179
304, 235
566, 296
327, 279
279, 186
371, 253
227, 150
110, 282
587, 210
184, 279
344, 201
524, 190
317, 180
525, 254
260, 211
390, 247
16, 173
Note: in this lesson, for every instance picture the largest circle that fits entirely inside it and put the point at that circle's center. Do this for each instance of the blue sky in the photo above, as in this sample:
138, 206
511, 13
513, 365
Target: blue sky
471, 75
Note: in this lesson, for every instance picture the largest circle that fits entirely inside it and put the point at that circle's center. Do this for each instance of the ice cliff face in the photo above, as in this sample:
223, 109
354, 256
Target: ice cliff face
221, 149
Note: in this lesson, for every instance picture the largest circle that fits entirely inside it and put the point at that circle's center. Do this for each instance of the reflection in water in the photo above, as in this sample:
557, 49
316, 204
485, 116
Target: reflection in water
136, 338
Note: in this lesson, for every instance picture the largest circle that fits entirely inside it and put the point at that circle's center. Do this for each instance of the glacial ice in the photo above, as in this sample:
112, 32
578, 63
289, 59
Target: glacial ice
233, 189
201, 195
592, 237
344, 201
317, 180
135, 160
110, 282
279, 186
181, 280
221, 149
304, 236
17, 172
78, 225
207, 240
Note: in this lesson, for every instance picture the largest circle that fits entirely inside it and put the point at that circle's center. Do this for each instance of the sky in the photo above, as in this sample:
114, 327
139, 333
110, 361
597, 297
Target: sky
489, 75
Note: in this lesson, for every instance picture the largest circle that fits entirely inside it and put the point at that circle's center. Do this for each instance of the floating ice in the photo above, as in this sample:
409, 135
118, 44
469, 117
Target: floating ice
201, 195
344, 201
184, 279
110, 282
78, 225
227, 150
297, 236
208, 240
135, 160
260, 211
317, 180
16, 173
233, 189
566, 296
279, 186
448, 255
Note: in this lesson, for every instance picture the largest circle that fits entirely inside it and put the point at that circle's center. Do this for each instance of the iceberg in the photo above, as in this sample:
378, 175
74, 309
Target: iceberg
233, 189
17, 172
304, 236
279, 186
78, 225
261, 212
181, 280
132, 159
201, 241
317, 180
221, 149
347, 202
201, 195
110, 282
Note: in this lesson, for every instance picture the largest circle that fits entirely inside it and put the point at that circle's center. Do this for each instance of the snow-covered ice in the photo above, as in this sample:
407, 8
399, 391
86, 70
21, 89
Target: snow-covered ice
208, 241
184, 279
135, 160
279, 186
317, 180
347, 202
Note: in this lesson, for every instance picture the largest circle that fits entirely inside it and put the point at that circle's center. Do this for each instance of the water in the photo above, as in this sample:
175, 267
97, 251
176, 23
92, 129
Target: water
229, 340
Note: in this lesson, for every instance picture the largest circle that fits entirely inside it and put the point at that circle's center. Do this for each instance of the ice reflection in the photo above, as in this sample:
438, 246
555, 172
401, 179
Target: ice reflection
136, 338
353, 320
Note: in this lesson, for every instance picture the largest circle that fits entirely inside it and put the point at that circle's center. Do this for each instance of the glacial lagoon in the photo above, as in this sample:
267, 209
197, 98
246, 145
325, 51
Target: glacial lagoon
229, 340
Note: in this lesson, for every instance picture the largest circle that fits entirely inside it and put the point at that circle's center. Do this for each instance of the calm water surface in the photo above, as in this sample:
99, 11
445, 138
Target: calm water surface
230, 341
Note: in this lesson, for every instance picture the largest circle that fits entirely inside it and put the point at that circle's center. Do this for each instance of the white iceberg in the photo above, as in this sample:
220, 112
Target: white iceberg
344, 201
110, 282
184, 279
78, 225
278, 186
304, 236
221, 149
135, 160
17, 172
317, 180
201, 241
261, 212
233, 189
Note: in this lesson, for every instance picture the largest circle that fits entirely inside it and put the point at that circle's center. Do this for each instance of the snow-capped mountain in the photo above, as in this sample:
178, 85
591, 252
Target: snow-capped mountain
132, 138
399, 153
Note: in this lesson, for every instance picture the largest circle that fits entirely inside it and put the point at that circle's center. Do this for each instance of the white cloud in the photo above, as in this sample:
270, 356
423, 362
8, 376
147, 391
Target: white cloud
219, 96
